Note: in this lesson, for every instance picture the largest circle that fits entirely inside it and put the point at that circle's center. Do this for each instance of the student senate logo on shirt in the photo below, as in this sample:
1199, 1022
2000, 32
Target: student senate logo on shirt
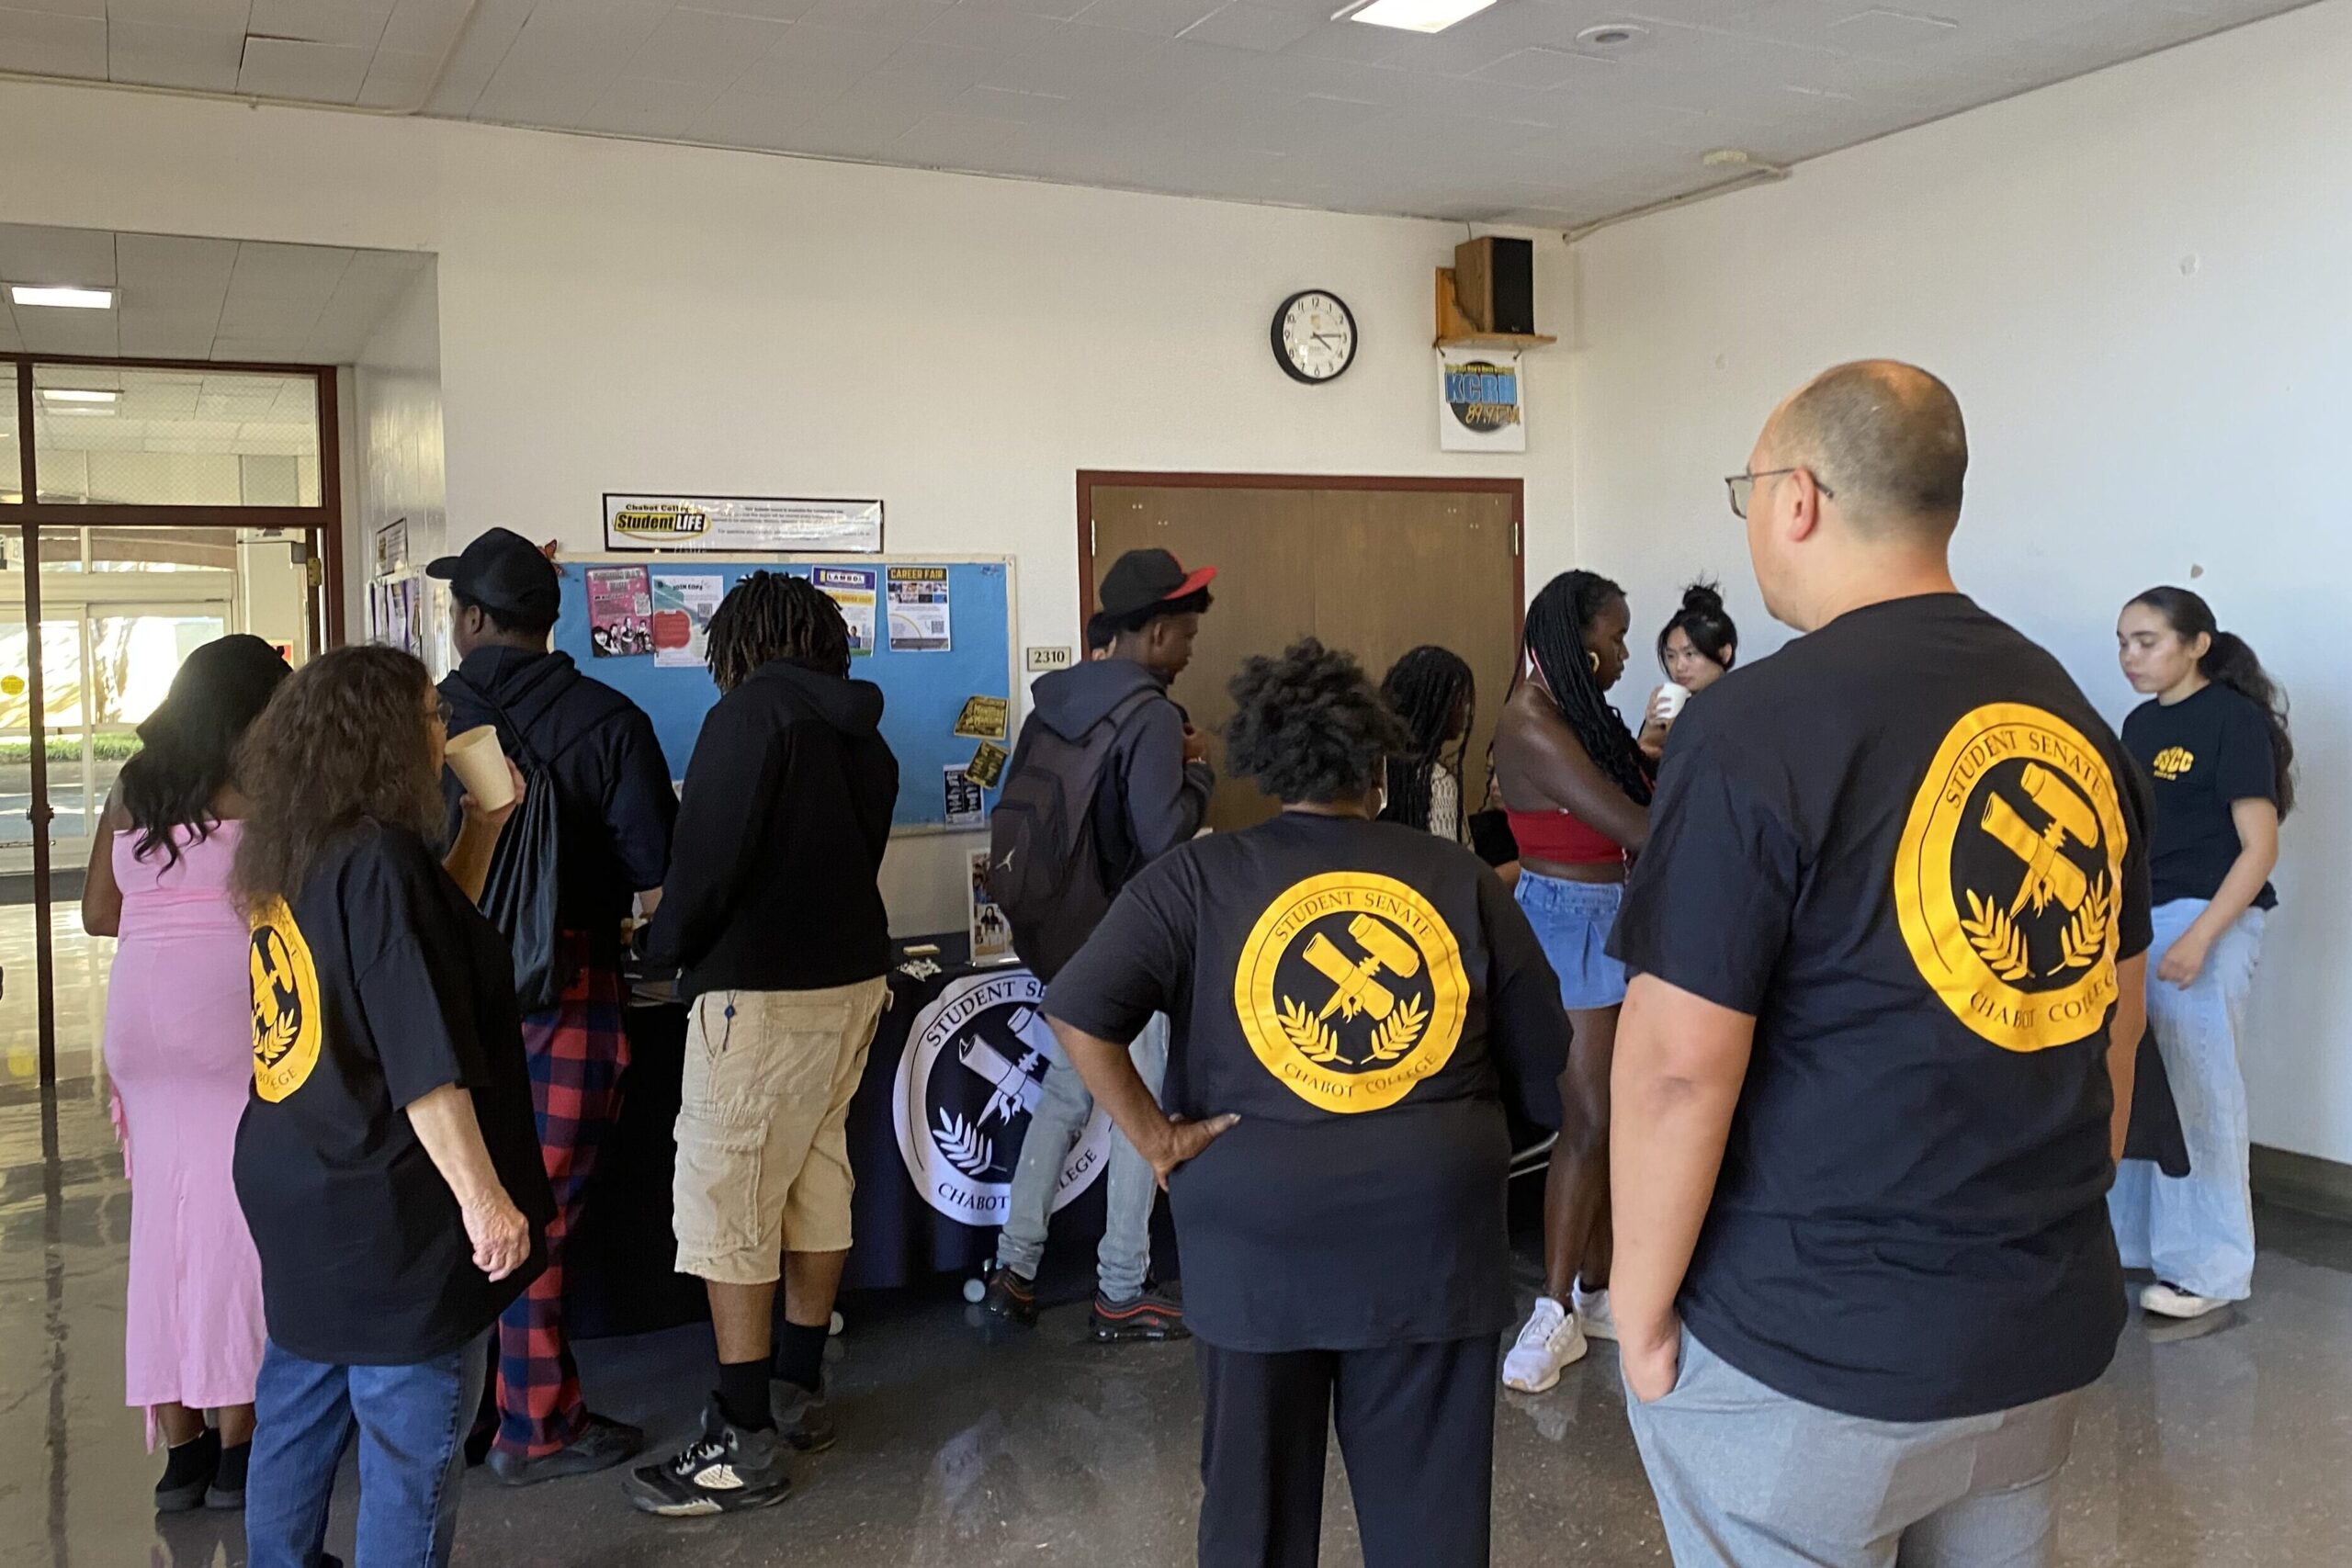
285, 1003
2009, 881
973, 1071
1351, 990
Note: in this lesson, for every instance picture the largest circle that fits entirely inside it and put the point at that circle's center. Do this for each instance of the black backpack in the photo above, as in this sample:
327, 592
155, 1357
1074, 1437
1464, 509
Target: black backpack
1044, 866
518, 895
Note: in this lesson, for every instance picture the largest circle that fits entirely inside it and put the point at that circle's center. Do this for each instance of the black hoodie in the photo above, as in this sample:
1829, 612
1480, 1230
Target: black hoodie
615, 803
786, 814
1151, 799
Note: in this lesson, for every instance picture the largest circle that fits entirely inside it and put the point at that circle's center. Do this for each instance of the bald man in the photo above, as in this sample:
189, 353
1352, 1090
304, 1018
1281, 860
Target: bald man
1871, 1073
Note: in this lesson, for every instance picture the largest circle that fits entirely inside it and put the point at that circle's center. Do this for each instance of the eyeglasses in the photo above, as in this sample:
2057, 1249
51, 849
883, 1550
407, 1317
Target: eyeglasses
1742, 486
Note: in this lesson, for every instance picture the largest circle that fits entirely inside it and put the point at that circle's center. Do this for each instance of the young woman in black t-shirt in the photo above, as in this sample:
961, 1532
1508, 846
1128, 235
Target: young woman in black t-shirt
2214, 742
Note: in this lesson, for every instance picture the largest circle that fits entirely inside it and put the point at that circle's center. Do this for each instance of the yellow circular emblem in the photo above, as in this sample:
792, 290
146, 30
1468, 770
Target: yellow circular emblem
1351, 990
285, 1003
2009, 883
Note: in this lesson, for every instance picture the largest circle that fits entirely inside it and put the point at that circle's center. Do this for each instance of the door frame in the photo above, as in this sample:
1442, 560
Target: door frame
1090, 479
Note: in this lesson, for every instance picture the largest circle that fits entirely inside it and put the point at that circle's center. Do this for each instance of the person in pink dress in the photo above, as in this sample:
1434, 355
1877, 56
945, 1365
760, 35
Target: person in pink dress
179, 1049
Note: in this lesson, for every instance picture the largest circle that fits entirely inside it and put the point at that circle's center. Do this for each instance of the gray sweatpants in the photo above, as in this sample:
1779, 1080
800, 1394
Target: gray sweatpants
1750, 1478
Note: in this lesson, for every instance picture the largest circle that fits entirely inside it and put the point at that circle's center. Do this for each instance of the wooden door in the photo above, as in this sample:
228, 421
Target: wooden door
1375, 567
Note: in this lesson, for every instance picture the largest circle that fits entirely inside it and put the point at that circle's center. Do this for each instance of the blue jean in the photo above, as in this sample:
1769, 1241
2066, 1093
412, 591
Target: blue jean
412, 1422
1124, 1260
1572, 921
2197, 1231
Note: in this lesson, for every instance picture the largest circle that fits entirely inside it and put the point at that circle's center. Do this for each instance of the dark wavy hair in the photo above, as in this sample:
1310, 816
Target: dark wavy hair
2228, 661
1556, 623
1308, 726
1427, 688
1703, 620
343, 744
771, 615
187, 748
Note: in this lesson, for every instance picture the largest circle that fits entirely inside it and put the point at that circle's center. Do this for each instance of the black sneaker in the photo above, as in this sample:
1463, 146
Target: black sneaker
1011, 1297
602, 1444
725, 1471
188, 1469
1156, 1314
227, 1488
803, 1418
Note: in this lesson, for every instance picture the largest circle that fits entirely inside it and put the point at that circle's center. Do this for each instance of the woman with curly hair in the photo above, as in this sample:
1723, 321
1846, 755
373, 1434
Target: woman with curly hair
388, 1163
1352, 998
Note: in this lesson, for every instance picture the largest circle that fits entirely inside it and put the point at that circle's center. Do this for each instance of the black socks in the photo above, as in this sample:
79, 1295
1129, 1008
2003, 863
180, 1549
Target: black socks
743, 1394
800, 1355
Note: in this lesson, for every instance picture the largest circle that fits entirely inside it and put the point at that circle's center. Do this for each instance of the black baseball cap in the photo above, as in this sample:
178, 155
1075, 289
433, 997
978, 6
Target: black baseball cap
1141, 579
503, 571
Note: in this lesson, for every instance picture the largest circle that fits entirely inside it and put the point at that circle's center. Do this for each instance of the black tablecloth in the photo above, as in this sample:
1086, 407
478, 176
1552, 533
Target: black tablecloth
946, 1093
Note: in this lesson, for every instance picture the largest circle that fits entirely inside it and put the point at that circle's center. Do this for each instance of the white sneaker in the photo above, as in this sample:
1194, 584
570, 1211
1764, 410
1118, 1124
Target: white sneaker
1592, 1313
2171, 1301
1551, 1340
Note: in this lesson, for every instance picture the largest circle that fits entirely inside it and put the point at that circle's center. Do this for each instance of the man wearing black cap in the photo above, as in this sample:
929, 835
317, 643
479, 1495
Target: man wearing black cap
614, 809
1110, 718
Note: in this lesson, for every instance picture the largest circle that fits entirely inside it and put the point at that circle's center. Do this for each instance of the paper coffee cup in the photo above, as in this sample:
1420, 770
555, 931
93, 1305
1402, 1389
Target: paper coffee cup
480, 763
1669, 701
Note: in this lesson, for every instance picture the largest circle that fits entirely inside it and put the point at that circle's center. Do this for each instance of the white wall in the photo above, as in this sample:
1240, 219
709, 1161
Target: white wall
2136, 284
396, 392
616, 315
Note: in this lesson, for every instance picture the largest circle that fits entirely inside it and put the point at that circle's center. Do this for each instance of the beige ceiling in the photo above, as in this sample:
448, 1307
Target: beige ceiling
211, 299
1506, 118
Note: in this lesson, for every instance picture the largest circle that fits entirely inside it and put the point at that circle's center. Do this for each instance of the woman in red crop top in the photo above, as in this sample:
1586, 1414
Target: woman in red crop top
1577, 789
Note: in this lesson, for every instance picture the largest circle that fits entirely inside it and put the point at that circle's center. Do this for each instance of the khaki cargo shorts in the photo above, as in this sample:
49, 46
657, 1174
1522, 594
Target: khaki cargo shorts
763, 1153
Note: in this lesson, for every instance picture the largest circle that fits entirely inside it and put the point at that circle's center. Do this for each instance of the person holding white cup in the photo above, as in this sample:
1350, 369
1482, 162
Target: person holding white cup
1697, 647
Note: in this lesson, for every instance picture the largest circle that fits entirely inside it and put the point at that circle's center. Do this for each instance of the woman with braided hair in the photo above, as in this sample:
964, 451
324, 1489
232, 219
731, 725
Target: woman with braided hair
772, 911
1578, 790
1432, 691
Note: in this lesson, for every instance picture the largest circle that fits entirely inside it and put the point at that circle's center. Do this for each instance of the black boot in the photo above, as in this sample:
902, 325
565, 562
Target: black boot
188, 1469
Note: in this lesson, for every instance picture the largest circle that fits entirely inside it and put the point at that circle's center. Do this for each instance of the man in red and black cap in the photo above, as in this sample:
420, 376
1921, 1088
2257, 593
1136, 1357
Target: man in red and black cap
1105, 732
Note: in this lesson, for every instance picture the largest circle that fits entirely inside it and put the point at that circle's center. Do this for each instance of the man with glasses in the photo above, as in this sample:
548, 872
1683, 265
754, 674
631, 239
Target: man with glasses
1872, 1075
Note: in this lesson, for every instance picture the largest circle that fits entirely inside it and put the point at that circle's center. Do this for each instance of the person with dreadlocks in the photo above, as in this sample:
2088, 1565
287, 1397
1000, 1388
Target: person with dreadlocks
1432, 691
771, 912
1578, 790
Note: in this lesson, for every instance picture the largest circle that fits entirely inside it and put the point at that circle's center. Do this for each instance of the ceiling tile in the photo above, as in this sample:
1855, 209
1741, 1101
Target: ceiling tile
306, 73
422, 27
160, 334
45, 43
814, 60
1244, 25
1545, 68
737, 118
1015, 105
93, 9
154, 55
891, 19
1160, 19
768, 10
857, 125
173, 276
397, 78
33, 254
209, 16
1056, 10
708, 47
564, 58
490, 32
67, 331
645, 105
355, 24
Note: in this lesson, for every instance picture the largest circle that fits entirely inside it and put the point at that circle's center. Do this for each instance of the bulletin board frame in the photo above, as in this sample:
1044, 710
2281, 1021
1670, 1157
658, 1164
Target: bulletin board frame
916, 781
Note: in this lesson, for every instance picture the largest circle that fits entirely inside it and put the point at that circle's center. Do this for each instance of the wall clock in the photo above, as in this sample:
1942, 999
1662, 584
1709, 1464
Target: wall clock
1314, 336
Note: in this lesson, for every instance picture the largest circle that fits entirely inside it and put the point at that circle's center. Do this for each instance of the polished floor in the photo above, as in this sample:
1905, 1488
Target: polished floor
2228, 1447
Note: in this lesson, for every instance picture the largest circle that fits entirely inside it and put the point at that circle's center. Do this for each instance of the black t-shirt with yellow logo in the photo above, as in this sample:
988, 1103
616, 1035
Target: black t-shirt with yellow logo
1362, 995
2204, 753
1909, 849
381, 985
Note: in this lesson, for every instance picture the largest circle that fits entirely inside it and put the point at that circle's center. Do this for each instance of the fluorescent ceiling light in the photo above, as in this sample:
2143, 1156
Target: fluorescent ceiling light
65, 297
1416, 16
76, 395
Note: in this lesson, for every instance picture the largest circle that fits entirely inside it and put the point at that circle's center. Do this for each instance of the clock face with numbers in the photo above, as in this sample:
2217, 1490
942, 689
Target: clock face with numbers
1314, 336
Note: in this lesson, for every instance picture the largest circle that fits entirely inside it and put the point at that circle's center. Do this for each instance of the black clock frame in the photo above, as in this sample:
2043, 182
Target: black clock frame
1282, 355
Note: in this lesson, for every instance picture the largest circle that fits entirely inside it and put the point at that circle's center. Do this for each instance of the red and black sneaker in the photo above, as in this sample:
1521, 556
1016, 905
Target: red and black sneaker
1010, 1296
1157, 1314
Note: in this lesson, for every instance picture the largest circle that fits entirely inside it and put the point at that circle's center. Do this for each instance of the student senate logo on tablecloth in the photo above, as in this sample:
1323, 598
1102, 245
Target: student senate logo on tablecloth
285, 1003
2009, 878
973, 1070
1351, 990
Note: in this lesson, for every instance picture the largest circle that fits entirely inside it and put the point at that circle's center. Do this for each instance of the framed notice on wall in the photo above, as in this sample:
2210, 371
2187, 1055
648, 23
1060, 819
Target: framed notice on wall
1478, 403
742, 524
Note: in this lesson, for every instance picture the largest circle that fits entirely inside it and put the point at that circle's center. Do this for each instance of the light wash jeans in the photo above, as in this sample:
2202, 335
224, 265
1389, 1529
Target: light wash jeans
1124, 1258
1749, 1478
2197, 1231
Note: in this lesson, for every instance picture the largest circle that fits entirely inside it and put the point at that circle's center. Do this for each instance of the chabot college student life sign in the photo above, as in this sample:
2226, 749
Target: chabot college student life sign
720, 524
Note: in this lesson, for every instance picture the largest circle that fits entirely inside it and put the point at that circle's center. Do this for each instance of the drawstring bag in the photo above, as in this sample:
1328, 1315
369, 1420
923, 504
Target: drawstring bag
519, 897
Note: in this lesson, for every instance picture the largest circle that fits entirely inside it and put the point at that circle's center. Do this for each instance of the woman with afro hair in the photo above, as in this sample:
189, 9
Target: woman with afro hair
1352, 998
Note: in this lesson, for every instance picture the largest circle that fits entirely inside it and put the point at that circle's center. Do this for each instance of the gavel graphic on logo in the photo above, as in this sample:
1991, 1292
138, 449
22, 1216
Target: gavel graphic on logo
2048, 873
1359, 988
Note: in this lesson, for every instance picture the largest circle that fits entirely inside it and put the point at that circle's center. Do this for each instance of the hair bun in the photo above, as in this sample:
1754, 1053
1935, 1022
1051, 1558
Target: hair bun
1704, 597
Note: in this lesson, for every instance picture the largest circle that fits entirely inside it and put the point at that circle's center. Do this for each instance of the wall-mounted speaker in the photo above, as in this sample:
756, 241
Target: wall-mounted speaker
1494, 280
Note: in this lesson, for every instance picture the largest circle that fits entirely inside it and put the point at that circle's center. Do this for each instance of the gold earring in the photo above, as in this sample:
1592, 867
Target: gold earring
1593, 660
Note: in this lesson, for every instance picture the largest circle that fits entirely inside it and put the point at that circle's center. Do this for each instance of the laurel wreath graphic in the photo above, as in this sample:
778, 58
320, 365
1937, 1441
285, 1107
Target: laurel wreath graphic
1996, 939
968, 1148
1401, 1033
272, 1041
1313, 1038
2085, 940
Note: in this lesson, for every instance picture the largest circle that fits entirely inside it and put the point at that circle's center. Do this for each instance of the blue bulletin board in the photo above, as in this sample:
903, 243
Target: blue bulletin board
923, 690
